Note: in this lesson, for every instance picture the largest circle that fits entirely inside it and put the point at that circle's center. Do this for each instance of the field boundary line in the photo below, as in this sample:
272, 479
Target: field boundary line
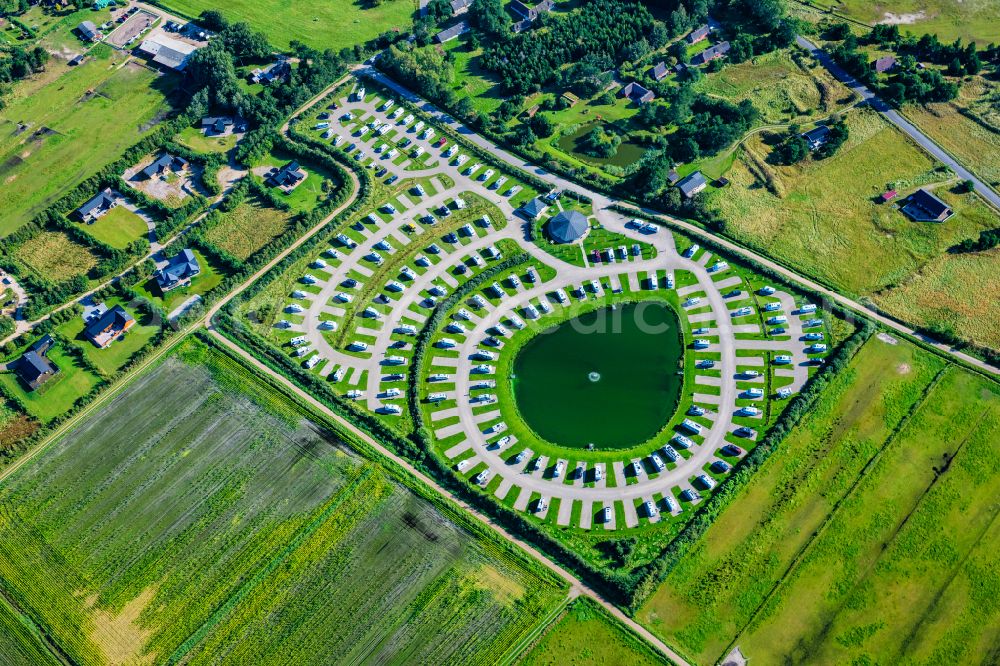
521, 646
793, 564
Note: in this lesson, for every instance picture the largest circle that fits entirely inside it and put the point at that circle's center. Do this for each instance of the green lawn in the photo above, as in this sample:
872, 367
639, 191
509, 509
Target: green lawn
948, 19
67, 132
309, 194
118, 227
195, 139
324, 24
56, 396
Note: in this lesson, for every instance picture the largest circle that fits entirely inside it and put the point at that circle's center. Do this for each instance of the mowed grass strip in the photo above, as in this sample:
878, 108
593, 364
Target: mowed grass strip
72, 127
586, 635
825, 223
54, 256
718, 585
323, 24
247, 228
919, 528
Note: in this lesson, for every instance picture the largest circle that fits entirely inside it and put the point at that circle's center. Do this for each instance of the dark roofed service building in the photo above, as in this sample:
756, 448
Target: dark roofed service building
638, 93
711, 53
567, 226
923, 206
692, 184
97, 206
34, 368
659, 71
106, 328
165, 162
534, 208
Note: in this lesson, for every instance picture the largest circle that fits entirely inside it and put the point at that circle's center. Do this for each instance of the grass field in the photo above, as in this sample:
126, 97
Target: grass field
115, 356
118, 227
860, 535
948, 19
322, 24
782, 91
824, 220
974, 141
71, 127
585, 635
948, 292
247, 228
225, 514
55, 256
309, 194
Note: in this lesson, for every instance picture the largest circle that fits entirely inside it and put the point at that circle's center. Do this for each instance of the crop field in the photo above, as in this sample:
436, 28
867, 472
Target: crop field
948, 19
824, 222
779, 88
247, 228
70, 128
226, 514
874, 515
118, 227
323, 24
592, 637
55, 256
974, 140
19, 643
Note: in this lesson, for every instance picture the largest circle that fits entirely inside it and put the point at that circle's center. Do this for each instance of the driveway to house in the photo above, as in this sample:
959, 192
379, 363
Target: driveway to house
893, 116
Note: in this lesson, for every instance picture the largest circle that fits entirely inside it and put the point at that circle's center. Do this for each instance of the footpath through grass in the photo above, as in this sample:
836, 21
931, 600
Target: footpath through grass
224, 513
868, 537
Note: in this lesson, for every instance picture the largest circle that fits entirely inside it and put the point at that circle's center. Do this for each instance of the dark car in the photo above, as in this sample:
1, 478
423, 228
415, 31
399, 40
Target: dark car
732, 450
720, 467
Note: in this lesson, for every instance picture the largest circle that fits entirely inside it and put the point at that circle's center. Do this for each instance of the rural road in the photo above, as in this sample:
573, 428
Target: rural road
602, 202
893, 116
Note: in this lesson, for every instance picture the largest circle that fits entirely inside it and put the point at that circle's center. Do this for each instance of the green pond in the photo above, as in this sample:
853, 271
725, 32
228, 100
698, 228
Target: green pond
608, 378
628, 151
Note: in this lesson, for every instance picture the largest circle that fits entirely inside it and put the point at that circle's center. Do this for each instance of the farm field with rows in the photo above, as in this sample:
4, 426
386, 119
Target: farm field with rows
225, 513
873, 514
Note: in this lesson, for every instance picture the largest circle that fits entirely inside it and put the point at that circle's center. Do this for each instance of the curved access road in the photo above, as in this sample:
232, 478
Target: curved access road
603, 202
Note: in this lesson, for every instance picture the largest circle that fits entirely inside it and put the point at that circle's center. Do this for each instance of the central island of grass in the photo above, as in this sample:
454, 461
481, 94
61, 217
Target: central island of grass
608, 377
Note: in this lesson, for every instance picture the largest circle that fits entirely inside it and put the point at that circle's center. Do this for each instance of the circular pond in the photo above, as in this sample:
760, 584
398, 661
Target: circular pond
608, 378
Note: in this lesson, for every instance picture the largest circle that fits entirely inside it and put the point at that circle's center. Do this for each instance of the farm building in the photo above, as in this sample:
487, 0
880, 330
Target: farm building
692, 184
165, 163
922, 206
167, 52
817, 136
883, 64
104, 329
637, 93
659, 71
530, 13
98, 206
451, 33
532, 209
34, 367
711, 53
699, 34
178, 271
673, 176
287, 177
567, 226
460, 6
88, 31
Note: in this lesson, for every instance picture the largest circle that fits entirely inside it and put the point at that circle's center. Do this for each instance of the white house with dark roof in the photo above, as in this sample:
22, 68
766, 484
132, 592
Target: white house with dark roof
100, 204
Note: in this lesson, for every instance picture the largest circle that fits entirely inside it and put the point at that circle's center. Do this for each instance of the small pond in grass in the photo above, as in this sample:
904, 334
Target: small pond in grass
608, 378
628, 152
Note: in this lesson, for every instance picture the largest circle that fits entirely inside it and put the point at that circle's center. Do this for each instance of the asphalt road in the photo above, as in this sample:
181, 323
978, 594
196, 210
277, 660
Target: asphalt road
899, 121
